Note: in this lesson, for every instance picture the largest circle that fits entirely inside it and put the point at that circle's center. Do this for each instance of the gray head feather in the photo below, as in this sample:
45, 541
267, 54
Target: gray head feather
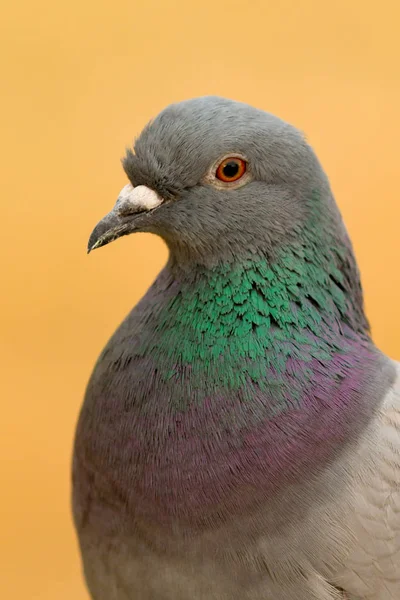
205, 224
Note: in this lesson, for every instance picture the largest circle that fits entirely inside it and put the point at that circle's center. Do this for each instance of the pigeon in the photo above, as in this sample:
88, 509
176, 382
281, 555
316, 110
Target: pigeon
240, 433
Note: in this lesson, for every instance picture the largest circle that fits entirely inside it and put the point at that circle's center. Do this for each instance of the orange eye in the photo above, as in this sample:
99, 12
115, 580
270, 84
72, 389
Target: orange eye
231, 169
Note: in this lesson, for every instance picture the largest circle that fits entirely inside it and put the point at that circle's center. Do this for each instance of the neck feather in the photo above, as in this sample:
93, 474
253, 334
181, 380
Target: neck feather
274, 325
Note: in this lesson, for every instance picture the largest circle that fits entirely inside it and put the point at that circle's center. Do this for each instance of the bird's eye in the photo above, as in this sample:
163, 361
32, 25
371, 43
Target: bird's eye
231, 169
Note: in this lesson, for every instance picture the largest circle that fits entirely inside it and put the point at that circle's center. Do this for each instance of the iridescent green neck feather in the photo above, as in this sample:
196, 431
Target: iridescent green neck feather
261, 322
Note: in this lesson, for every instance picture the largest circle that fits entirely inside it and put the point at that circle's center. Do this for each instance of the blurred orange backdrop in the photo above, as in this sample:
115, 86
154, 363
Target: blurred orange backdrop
79, 80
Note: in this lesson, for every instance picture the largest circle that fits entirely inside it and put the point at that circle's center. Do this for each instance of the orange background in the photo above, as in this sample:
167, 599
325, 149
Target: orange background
79, 80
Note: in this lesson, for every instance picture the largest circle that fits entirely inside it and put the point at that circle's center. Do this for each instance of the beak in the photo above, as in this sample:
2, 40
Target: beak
120, 221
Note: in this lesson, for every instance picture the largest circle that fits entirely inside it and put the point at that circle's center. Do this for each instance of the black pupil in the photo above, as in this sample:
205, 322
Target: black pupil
231, 169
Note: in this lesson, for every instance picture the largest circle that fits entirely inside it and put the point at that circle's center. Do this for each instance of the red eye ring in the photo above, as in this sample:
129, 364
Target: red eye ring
231, 169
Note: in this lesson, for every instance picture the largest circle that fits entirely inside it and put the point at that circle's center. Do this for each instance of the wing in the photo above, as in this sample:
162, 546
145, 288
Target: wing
373, 568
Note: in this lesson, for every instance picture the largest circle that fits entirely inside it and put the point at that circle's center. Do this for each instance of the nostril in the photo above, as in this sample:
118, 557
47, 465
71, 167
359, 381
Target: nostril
126, 208
136, 200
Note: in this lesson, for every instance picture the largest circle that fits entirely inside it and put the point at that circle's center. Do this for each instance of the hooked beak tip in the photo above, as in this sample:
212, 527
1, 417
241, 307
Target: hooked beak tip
107, 230
131, 203
94, 242
93, 246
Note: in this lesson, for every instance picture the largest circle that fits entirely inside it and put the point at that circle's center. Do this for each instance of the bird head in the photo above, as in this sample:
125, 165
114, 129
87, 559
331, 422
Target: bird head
220, 182
216, 178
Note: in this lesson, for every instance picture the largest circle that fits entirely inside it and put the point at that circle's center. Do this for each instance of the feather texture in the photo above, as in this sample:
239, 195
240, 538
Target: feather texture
239, 438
